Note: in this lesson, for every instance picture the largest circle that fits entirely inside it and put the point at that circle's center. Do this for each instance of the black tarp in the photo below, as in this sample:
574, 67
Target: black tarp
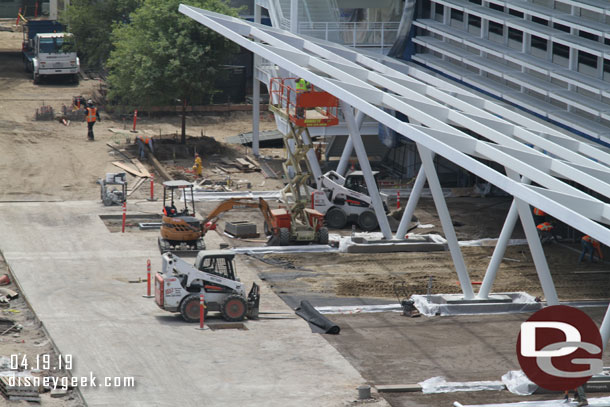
309, 314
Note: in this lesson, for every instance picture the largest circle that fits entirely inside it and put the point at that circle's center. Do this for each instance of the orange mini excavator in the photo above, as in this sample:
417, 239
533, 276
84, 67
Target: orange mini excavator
181, 231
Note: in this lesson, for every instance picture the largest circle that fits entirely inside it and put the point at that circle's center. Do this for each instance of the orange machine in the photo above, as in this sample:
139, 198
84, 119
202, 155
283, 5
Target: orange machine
319, 108
279, 224
181, 231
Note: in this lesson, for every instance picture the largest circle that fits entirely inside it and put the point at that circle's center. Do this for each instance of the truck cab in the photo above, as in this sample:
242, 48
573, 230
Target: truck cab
49, 52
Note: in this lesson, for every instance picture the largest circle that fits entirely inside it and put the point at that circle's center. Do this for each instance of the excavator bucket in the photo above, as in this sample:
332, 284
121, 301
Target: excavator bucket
254, 298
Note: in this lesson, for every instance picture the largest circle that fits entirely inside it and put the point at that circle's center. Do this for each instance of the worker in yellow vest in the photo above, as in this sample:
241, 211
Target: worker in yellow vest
546, 232
92, 115
302, 86
590, 245
198, 167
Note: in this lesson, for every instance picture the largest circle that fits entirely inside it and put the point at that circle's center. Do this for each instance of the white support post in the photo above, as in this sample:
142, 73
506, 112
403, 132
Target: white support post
349, 147
256, 92
367, 172
445, 218
533, 240
604, 329
345, 156
312, 158
294, 16
418, 186
498, 254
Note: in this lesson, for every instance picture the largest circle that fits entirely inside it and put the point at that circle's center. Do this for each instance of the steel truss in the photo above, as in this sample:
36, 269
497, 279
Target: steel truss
529, 151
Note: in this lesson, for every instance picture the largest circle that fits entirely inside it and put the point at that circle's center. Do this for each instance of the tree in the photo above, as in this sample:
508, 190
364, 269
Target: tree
162, 55
91, 22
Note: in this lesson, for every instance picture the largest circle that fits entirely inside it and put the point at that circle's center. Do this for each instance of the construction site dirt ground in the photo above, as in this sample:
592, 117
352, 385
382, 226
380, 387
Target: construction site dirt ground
48, 161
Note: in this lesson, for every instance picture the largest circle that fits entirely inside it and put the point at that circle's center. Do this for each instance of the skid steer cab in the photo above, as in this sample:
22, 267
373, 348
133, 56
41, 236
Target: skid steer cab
179, 284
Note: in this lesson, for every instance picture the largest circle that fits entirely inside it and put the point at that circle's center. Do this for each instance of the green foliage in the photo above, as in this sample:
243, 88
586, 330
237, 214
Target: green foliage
163, 55
91, 21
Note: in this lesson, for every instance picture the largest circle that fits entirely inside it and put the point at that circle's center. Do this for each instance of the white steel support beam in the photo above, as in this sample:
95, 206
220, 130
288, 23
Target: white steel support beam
533, 240
256, 92
495, 110
383, 76
344, 86
604, 329
365, 165
418, 186
490, 151
429, 114
427, 158
349, 147
312, 158
498, 254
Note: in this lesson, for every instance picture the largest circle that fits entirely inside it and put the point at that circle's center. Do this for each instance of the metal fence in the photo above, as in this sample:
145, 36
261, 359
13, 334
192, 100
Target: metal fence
355, 34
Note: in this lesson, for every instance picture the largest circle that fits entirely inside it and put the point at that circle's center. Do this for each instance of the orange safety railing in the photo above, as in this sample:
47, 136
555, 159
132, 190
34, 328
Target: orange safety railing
313, 108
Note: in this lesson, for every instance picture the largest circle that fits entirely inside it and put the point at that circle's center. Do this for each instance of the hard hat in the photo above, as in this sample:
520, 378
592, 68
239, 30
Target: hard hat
90, 102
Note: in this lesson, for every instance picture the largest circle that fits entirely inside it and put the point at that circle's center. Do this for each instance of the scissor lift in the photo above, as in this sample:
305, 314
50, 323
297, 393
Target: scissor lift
312, 108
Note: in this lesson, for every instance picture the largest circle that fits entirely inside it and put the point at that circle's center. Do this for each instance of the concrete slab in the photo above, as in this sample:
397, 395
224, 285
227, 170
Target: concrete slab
75, 273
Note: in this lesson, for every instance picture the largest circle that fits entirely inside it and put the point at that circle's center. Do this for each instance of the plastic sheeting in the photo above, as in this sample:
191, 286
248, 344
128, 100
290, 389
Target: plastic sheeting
492, 242
439, 384
309, 314
521, 302
313, 248
346, 241
517, 383
359, 309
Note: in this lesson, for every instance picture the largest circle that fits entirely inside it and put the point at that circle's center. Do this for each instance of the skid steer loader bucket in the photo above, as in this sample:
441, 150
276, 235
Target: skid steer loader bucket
253, 302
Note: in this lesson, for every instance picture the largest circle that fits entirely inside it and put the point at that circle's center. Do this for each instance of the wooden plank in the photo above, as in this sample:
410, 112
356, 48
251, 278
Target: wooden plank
128, 169
137, 185
252, 161
141, 167
243, 162
229, 162
158, 166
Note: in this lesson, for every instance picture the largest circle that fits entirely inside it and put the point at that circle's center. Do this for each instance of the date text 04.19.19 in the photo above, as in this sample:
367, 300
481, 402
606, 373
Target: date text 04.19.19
41, 362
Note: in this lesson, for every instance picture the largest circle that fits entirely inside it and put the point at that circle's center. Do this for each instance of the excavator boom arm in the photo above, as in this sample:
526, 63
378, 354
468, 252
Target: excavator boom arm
234, 203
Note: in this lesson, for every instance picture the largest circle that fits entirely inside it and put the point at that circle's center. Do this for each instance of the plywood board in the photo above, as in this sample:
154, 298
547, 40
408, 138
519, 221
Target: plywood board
127, 168
141, 167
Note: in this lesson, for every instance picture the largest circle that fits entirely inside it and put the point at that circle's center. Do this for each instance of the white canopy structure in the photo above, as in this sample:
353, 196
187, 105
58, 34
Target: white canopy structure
542, 167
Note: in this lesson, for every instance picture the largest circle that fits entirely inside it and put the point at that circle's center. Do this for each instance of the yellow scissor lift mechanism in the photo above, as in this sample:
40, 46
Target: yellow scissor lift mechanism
301, 110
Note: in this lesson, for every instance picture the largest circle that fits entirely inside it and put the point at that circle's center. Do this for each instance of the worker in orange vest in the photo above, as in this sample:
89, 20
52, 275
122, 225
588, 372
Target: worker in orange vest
590, 245
546, 232
143, 141
92, 115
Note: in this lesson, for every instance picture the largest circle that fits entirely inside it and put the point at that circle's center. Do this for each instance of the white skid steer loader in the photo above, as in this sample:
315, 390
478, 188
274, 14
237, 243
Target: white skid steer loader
179, 284
346, 199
